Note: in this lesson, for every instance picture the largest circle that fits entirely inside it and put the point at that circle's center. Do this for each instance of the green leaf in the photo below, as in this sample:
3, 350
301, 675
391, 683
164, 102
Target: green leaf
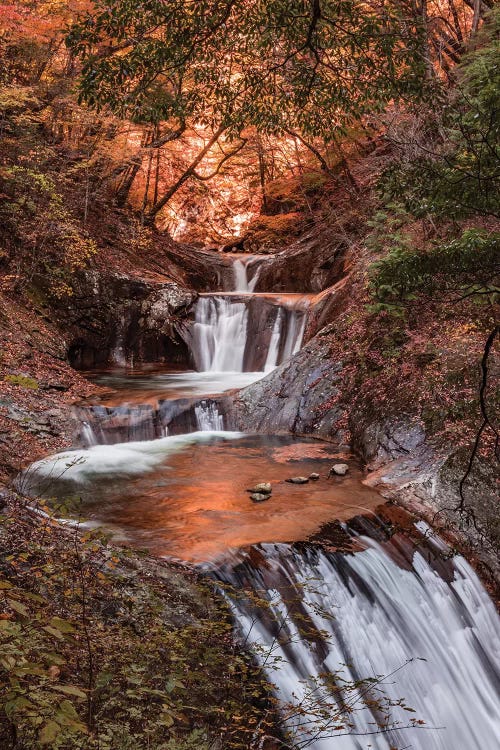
49, 732
69, 690
18, 607
62, 625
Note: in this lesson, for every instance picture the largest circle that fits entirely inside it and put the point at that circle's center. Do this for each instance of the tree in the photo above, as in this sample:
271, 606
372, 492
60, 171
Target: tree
309, 67
282, 64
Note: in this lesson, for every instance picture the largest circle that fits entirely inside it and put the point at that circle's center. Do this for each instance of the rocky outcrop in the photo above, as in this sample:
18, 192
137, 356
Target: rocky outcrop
311, 264
311, 395
119, 319
300, 397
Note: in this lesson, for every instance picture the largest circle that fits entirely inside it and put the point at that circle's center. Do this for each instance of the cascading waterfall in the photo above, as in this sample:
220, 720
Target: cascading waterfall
109, 425
208, 417
242, 331
420, 626
374, 614
241, 270
231, 334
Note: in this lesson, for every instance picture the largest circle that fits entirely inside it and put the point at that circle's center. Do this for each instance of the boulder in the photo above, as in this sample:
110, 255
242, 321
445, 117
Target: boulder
339, 470
314, 476
298, 480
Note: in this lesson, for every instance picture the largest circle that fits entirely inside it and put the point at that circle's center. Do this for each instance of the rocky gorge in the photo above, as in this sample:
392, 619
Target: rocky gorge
273, 385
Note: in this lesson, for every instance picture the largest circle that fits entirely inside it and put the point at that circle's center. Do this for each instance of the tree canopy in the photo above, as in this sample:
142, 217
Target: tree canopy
310, 65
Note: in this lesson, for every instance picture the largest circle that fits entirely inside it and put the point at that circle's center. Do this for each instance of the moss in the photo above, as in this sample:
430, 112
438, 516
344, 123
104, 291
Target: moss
23, 381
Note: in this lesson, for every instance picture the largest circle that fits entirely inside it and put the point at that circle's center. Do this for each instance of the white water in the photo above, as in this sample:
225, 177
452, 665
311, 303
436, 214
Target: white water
274, 344
219, 334
227, 331
208, 417
378, 616
241, 269
88, 435
120, 459
223, 341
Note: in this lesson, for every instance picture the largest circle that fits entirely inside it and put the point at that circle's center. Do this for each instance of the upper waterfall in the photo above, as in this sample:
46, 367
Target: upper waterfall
246, 273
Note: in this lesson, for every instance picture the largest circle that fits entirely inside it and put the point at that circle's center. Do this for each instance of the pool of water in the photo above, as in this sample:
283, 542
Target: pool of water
145, 384
185, 496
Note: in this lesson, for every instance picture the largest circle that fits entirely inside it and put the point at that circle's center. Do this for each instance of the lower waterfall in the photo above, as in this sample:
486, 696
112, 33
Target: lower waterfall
426, 632
109, 425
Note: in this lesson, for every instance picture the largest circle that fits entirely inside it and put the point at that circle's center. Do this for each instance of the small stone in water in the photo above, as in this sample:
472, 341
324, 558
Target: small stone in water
314, 476
264, 488
298, 480
339, 469
258, 497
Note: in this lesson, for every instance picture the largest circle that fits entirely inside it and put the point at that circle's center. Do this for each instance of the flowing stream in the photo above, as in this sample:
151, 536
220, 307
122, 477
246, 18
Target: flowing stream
424, 630
161, 465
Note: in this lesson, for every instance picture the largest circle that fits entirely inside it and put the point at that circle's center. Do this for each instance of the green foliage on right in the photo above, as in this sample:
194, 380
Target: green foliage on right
457, 176
458, 172
467, 266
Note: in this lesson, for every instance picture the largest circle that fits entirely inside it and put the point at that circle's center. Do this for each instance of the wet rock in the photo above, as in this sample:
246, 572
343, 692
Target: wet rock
55, 385
265, 488
298, 480
294, 398
159, 308
314, 476
259, 497
339, 470
116, 318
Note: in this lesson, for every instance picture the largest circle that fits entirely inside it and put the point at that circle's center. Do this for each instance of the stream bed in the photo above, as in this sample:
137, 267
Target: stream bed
158, 464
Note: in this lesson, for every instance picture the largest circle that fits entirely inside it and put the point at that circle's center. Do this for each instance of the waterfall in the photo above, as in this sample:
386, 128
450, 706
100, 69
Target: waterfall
241, 268
88, 435
109, 425
253, 333
274, 344
208, 417
219, 334
372, 614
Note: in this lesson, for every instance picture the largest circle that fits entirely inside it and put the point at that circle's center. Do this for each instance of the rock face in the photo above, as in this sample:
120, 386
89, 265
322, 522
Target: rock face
114, 319
298, 397
311, 264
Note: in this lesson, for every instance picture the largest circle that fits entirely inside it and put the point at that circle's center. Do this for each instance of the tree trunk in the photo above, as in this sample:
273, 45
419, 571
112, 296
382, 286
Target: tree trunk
262, 172
135, 163
477, 16
185, 176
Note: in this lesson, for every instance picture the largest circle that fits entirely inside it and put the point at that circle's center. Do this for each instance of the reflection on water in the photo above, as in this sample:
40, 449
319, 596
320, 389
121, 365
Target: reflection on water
185, 495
